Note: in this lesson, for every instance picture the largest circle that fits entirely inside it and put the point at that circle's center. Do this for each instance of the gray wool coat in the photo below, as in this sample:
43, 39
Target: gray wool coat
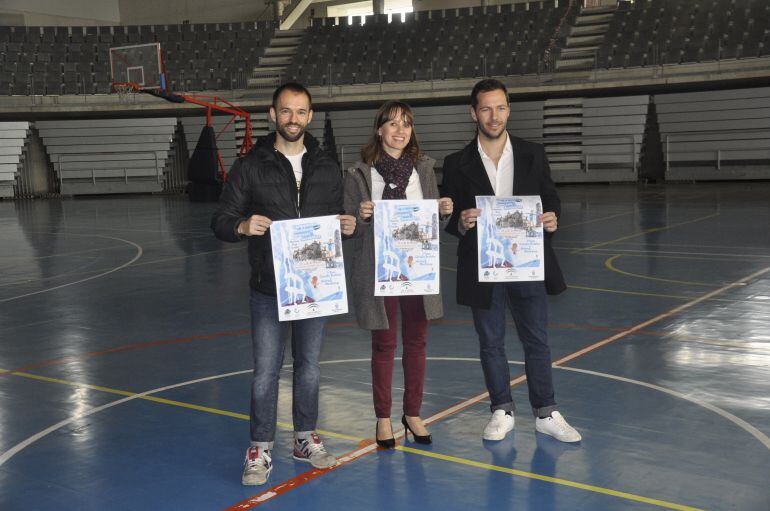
370, 309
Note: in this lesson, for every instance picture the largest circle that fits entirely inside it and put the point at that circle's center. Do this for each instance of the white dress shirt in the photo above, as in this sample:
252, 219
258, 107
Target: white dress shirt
413, 189
501, 175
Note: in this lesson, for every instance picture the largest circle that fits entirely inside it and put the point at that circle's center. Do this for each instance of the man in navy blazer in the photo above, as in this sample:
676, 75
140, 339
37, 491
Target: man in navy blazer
495, 163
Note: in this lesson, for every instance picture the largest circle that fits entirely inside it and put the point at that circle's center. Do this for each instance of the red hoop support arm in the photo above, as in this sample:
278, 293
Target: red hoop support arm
212, 103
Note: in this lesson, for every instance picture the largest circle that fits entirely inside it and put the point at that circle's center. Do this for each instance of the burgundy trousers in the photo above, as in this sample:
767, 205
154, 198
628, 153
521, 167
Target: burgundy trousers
414, 330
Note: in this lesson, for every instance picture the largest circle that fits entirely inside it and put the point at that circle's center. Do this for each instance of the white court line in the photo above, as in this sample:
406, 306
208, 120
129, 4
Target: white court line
7, 455
480, 397
139, 253
727, 415
34, 438
662, 316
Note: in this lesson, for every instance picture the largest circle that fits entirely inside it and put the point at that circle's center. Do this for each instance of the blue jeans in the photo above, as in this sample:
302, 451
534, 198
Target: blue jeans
268, 337
528, 304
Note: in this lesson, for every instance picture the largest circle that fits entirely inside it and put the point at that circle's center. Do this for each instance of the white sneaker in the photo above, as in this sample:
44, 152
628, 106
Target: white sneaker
557, 427
256, 467
498, 426
313, 451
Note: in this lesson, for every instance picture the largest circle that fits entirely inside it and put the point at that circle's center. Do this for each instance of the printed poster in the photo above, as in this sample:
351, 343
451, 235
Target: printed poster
510, 239
309, 269
406, 247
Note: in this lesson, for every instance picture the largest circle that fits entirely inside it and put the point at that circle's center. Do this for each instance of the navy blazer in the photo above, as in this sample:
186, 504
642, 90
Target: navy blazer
464, 179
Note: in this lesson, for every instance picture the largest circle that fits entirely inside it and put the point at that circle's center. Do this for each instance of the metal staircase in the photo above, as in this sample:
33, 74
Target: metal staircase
585, 37
563, 125
277, 57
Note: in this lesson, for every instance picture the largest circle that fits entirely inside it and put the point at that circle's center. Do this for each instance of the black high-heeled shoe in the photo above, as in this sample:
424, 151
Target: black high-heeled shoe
420, 439
388, 443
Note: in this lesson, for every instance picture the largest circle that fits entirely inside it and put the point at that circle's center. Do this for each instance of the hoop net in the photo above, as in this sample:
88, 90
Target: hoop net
125, 90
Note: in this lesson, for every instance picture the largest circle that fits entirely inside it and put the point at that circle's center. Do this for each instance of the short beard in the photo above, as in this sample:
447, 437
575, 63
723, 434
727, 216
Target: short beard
488, 134
281, 129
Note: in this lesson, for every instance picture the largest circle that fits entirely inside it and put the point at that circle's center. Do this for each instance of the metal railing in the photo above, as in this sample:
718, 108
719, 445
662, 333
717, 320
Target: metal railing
544, 69
83, 165
720, 153
289, 9
633, 152
176, 165
375, 80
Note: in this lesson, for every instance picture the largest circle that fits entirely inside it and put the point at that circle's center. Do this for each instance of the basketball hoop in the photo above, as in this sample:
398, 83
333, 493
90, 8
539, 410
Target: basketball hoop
136, 68
139, 68
125, 90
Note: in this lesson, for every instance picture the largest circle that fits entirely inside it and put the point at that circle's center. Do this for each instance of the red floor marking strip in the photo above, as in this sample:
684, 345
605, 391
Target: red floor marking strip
310, 475
127, 347
659, 317
345, 459
146, 344
235, 333
301, 479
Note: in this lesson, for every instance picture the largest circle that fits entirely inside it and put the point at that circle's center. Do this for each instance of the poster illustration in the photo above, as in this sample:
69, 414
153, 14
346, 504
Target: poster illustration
309, 268
510, 239
406, 247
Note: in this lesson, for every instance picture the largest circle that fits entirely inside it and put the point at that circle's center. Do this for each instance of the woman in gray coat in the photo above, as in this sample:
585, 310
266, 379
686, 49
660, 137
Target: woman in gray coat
392, 167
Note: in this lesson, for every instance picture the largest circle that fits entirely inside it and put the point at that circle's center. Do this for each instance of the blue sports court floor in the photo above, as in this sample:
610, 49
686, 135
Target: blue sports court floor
125, 359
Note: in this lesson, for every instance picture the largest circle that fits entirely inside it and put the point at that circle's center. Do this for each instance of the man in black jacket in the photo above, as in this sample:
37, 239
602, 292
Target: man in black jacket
495, 163
286, 175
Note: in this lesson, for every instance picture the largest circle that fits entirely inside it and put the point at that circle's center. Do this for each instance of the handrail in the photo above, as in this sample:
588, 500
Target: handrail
634, 152
92, 168
288, 9
718, 152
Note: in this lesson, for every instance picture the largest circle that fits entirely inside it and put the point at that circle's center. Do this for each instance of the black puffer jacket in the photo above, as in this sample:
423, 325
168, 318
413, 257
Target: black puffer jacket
263, 183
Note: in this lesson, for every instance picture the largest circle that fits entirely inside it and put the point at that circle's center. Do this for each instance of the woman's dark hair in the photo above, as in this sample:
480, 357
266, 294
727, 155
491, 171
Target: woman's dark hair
372, 151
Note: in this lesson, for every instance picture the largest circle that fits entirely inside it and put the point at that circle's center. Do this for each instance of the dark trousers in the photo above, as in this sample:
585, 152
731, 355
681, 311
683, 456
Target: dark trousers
414, 330
528, 304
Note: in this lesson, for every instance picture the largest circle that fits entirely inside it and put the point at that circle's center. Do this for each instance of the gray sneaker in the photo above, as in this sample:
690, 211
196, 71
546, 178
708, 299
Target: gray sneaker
256, 466
312, 451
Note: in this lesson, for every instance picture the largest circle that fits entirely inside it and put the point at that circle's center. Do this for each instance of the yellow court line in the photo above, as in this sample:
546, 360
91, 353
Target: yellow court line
331, 434
646, 231
665, 245
187, 256
608, 264
171, 402
656, 254
144, 263
75, 271
634, 293
595, 220
549, 479
653, 295
104, 249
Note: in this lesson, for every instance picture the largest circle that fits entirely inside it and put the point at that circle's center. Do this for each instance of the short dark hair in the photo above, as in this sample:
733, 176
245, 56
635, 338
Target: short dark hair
295, 87
486, 85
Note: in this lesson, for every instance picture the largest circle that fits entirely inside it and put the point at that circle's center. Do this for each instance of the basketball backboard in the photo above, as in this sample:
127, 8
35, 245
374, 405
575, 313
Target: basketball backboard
140, 65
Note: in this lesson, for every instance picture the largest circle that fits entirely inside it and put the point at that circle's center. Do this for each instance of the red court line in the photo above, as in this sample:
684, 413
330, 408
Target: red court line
126, 347
147, 344
310, 475
236, 333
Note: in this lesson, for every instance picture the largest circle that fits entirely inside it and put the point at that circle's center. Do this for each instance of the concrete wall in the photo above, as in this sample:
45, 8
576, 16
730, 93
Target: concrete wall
64, 12
138, 12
